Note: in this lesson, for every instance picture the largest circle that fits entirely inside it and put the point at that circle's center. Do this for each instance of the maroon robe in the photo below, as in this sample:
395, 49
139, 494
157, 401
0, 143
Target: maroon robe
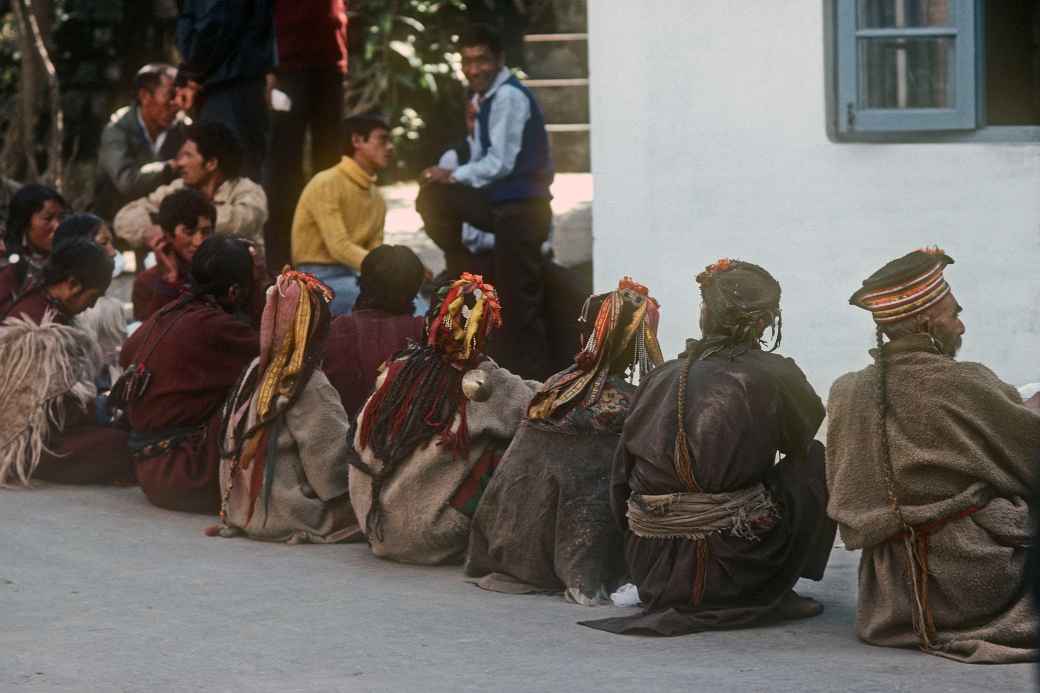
199, 352
151, 292
358, 345
34, 305
86, 453
9, 285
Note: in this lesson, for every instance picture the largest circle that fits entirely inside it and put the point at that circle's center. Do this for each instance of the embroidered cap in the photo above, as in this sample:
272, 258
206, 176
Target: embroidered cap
905, 287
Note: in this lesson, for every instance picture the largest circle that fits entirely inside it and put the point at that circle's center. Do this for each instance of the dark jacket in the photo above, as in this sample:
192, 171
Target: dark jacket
122, 156
226, 40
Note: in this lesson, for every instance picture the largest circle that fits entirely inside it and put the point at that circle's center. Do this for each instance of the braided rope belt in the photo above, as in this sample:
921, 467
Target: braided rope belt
746, 513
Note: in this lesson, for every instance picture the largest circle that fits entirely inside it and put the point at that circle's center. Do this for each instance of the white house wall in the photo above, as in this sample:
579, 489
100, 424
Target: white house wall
709, 140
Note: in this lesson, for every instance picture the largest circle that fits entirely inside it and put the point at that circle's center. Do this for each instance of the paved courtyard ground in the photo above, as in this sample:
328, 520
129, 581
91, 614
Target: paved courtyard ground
99, 591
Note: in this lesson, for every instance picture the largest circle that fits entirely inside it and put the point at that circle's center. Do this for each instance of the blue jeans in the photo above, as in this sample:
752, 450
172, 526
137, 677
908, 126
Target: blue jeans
342, 280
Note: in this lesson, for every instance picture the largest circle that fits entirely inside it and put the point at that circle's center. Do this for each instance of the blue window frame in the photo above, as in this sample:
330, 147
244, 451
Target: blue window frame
906, 65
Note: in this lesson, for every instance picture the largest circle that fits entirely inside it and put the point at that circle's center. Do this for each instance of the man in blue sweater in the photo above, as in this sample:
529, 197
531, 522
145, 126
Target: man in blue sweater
503, 189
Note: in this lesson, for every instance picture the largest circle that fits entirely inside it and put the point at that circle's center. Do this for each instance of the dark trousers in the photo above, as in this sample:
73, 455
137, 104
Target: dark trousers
520, 228
317, 106
242, 106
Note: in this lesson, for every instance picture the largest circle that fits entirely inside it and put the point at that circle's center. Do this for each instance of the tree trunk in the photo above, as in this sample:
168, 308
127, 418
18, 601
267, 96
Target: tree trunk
37, 78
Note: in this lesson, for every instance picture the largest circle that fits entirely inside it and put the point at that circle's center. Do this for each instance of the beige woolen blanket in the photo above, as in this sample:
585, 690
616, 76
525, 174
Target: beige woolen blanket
419, 524
960, 439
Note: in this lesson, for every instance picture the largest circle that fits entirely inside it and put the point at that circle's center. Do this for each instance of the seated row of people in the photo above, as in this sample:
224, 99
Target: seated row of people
585, 481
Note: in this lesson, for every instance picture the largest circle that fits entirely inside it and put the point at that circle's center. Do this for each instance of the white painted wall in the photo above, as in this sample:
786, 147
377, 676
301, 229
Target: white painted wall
709, 140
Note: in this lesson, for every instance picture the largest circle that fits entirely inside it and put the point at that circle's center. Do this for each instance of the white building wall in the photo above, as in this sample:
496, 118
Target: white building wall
709, 140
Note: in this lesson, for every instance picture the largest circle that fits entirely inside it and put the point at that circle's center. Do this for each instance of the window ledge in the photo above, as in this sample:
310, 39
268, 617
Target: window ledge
993, 134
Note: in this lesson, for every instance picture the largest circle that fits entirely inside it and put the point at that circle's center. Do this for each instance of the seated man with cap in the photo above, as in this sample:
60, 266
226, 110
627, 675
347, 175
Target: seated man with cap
930, 461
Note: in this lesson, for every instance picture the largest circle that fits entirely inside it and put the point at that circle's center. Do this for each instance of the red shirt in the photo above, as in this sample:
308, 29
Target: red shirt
150, 293
357, 346
311, 33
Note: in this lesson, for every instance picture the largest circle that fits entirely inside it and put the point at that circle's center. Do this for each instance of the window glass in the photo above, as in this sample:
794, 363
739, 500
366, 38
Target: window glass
906, 73
904, 14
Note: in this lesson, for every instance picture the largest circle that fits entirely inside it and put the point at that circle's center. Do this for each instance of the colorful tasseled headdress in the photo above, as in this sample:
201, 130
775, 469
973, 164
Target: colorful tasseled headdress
626, 320
463, 314
293, 328
905, 287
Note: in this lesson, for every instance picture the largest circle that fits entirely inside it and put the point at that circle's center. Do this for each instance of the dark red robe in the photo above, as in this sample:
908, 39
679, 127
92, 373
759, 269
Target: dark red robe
151, 292
358, 345
34, 305
199, 352
9, 285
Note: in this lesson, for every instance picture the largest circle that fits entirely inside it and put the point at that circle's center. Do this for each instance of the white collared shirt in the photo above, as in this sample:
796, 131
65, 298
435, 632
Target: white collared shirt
510, 111
156, 144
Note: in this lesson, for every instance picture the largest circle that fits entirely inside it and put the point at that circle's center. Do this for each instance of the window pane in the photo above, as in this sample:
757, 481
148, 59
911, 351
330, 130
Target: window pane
906, 73
902, 14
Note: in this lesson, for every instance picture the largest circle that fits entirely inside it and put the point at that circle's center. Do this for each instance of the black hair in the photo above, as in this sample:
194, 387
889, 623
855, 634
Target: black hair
150, 76
83, 225
362, 124
220, 263
81, 259
481, 35
185, 206
391, 276
29, 200
214, 140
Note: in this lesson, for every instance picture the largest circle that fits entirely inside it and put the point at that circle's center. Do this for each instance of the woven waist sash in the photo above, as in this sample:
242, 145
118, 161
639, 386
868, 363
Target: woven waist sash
745, 513
144, 446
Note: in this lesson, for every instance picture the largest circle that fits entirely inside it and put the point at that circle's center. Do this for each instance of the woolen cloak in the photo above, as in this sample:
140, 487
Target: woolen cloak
305, 498
421, 518
964, 456
742, 408
544, 522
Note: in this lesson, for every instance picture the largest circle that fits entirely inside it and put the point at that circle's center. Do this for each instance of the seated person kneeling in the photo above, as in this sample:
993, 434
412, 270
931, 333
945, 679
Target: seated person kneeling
49, 367
381, 324
718, 531
283, 476
180, 367
186, 219
939, 505
432, 433
544, 521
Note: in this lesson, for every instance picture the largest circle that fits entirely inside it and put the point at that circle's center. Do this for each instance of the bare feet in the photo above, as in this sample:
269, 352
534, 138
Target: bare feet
793, 606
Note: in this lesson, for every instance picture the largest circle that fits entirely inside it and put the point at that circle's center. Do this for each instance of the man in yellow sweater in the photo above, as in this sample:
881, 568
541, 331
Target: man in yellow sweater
340, 215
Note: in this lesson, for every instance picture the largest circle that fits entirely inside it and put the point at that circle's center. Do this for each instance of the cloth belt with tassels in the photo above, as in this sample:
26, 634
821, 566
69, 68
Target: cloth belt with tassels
745, 513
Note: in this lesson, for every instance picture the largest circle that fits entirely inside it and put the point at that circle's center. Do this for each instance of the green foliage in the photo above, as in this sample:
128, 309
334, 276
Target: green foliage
404, 63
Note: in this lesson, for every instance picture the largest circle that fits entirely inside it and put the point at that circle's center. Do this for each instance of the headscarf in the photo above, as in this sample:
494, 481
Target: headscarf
293, 329
624, 326
422, 391
463, 314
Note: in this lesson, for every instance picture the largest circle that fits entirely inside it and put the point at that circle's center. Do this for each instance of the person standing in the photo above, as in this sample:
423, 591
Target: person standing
228, 47
341, 212
139, 144
504, 190
312, 62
